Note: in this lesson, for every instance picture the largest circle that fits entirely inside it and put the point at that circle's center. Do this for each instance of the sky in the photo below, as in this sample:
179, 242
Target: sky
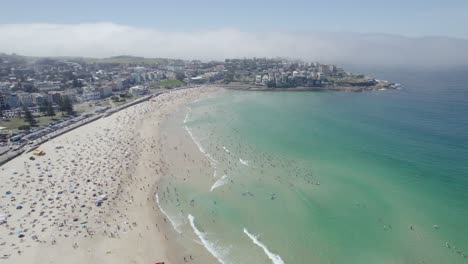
404, 17
365, 31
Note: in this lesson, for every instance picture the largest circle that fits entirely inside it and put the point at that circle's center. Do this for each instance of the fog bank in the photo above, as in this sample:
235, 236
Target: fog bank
109, 39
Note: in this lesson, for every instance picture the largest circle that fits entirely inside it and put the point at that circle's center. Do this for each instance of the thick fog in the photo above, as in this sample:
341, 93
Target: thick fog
108, 39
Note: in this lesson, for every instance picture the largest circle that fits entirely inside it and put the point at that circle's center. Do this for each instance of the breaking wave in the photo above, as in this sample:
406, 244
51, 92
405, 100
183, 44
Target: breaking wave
187, 116
176, 226
219, 182
246, 163
210, 246
202, 150
200, 147
225, 149
275, 259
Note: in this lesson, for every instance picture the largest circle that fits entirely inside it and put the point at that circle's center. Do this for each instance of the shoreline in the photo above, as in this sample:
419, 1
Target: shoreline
116, 219
246, 87
183, 159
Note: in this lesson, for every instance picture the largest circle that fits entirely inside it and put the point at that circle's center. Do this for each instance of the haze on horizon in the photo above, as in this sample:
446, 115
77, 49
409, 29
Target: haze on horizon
422, 33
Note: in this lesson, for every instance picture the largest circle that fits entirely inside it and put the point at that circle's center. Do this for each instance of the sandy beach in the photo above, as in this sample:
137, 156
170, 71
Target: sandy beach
91, 198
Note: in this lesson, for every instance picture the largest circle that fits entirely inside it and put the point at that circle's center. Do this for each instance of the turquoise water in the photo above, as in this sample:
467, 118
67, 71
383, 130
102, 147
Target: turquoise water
333, 177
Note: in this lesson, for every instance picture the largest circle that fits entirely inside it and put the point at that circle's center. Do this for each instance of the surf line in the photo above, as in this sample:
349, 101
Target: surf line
202, 150
168, 217
275, 259
211, 247
187, 116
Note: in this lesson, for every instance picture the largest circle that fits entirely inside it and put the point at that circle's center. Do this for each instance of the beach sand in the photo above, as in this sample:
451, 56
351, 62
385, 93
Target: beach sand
91, 198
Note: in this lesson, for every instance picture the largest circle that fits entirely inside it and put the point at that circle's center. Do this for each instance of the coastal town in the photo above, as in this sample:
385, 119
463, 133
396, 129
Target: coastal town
40, 97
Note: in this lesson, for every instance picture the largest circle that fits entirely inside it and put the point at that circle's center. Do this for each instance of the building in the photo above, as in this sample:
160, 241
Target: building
90, 93
26, 99
19, 112
4, 86
258, 79
54, 97
136, 77
13, 101
138, 90
198, 80
38, 98
105, 91
119, 84
48, 86
2, 101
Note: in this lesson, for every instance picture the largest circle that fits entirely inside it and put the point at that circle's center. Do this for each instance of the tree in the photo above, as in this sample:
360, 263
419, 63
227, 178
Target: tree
228, 77
180, 76
50, 110
47, 108
28, 116
43, 107
66, 105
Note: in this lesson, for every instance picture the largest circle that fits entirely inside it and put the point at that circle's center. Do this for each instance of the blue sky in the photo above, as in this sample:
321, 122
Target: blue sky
409, 18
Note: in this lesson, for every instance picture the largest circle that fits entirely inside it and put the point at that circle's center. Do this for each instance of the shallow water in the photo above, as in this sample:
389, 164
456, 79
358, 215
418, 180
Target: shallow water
330, 177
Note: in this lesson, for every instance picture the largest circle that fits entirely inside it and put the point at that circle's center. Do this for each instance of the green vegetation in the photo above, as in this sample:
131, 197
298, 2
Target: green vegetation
180, 76
45, 120
124, 59
19, 122
47, 108
155, 90
383, 84
12, 123
168, 83
133, 60
115, 101
66, 106
351, 79
28, 117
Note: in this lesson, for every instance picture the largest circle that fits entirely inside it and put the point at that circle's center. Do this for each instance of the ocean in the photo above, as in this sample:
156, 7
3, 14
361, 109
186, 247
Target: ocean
329, 177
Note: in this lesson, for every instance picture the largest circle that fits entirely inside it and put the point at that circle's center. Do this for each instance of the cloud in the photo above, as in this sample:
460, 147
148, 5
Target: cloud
109, 39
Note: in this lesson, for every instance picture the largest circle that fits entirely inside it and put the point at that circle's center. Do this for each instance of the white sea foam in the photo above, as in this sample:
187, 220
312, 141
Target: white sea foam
176, 226
246, 163
210, 246
202, 150
200, 147
211, 158
219, 182
275, 259
187, 116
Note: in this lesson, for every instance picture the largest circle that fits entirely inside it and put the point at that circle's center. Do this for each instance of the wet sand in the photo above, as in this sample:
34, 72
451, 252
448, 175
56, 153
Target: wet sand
90, 199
